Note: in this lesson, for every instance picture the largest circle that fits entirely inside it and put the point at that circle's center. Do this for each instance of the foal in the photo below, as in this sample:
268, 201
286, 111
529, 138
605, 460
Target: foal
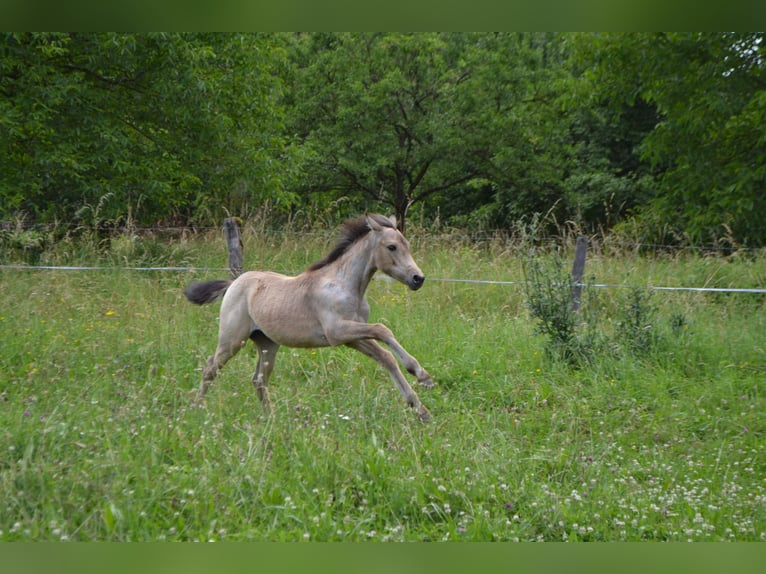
323, 306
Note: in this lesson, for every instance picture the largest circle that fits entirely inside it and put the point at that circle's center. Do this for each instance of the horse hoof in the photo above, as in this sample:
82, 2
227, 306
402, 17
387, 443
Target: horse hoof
424, 415
427, 383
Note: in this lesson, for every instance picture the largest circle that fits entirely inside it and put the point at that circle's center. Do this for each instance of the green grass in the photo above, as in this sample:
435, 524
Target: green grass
98, 440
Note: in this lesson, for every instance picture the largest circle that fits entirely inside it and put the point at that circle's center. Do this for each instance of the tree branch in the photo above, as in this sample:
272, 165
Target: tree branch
431, 190
419, 176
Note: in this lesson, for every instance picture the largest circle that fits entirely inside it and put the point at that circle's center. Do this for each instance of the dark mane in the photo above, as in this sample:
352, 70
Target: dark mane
351, 232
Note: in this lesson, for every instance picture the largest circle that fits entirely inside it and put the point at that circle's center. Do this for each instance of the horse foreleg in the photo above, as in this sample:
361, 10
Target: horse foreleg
387, 360
267, 355
410, 363
344, 332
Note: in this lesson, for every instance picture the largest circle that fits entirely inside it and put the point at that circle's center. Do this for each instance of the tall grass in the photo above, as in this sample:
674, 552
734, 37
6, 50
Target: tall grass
99, 441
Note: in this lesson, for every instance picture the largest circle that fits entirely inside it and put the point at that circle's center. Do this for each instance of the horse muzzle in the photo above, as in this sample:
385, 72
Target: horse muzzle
416, 282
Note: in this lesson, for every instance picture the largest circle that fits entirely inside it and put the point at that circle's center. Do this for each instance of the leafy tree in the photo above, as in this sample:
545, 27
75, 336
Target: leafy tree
608, 178
388, 116
470, 123
708, 146
526, 77
482, 129
160, 126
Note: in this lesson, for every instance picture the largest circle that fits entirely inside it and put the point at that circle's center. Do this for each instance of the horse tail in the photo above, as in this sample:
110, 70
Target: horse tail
206, 291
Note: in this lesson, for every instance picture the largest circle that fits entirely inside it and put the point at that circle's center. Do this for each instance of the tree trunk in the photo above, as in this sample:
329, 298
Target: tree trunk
401, 205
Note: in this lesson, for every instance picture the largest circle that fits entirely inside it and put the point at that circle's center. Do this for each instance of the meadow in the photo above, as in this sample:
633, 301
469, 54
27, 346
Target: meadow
661, 441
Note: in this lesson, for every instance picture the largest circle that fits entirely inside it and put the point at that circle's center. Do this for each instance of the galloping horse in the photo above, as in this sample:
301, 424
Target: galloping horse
323, 306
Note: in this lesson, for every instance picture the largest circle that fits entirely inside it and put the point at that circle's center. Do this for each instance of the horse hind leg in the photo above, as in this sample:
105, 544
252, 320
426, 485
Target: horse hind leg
213, 365
267, 355
231, 338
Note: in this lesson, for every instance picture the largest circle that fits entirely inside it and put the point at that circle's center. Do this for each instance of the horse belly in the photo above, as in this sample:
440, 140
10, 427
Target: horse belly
281, 312
292, 331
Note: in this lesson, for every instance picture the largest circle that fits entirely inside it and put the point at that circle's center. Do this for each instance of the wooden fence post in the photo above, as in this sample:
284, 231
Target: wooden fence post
578, 270
234, 243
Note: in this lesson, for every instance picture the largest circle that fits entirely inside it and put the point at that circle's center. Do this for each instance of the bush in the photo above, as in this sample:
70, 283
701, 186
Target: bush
570, 332
577, 336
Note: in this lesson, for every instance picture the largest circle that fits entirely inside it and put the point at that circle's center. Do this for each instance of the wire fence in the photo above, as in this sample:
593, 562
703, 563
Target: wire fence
17, 267
231, 228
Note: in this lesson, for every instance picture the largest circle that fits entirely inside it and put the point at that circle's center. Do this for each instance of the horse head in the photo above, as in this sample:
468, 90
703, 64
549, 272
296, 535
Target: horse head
392, 253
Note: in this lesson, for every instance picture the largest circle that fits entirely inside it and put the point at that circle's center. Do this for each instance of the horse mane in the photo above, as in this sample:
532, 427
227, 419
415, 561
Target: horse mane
351, 232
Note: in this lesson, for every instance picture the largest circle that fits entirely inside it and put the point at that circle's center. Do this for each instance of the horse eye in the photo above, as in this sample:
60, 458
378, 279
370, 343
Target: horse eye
392, 247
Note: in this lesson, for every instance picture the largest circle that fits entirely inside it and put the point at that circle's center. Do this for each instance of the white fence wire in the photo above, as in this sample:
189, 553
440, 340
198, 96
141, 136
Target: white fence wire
436, 279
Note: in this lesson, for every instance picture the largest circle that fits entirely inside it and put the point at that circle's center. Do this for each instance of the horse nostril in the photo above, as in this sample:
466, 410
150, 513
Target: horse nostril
418, 279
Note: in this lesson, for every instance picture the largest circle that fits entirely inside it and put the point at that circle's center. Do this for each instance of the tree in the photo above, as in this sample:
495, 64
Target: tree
708, 146
389, 117
609, 178
525, 77
158, 126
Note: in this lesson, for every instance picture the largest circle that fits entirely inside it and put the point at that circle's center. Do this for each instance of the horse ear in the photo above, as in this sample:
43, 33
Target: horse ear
371, 223
377, 222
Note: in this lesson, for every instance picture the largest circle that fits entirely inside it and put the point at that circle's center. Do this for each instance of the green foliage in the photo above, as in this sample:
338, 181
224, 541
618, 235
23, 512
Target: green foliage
658, 134
384, 116
405, 118
164, 125
16, 242
608, 178
578, 335
635, 327
707, 145
549, 296
574, 334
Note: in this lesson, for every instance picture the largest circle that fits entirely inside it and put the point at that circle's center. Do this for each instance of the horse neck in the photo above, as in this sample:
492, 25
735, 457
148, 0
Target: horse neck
355, 268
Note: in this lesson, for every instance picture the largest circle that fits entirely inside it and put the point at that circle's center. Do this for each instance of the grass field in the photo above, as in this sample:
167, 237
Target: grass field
98, 439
